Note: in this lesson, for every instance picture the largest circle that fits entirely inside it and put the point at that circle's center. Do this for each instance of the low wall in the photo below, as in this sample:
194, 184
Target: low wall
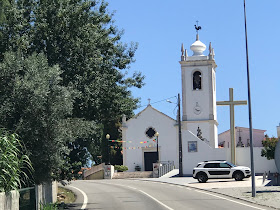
9, 201
96, 172
46, 193
202, 151
96, 175
109, 171
261, 163
93, 170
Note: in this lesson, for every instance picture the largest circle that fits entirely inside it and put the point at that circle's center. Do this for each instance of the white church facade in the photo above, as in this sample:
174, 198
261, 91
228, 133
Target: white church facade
152, 136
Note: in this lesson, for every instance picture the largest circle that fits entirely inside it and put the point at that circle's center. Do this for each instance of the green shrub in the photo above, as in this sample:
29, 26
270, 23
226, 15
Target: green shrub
49, 206
121, 168
13, 162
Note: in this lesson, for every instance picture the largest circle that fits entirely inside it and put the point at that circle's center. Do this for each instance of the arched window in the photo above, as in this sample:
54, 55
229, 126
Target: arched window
196, 80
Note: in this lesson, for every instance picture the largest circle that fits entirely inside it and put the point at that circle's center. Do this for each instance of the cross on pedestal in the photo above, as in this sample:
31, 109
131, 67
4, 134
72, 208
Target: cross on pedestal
231, 103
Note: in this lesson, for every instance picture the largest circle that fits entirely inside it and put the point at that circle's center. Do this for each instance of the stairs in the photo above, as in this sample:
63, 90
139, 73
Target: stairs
136, 174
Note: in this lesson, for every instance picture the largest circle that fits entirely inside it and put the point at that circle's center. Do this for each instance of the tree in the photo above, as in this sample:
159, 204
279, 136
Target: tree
269, 147
79, 39
39, 109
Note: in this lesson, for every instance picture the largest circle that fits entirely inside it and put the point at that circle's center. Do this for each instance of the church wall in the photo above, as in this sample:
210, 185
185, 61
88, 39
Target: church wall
136, 132
208, 130
204, 152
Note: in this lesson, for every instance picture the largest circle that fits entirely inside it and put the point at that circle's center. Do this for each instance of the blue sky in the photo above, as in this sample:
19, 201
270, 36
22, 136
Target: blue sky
161, 26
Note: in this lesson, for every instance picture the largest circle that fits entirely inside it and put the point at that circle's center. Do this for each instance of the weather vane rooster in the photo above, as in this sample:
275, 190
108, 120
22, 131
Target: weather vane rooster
197, 27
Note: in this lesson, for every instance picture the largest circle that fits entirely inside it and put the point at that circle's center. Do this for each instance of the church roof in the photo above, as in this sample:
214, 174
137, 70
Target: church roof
149, 106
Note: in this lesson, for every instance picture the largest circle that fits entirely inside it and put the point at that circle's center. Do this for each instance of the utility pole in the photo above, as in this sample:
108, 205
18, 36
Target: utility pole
180, 138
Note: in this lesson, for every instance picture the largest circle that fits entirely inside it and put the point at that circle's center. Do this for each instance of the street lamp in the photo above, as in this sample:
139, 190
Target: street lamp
180, 135
249, 106
108, 149
157, 146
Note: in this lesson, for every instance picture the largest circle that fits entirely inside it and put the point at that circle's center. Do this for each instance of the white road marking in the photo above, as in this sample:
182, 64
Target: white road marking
230, 200
156, 200
129, 187
146, 195
85, 197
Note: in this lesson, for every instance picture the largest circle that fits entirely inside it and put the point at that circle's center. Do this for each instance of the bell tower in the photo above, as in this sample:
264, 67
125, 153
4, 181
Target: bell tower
199, 92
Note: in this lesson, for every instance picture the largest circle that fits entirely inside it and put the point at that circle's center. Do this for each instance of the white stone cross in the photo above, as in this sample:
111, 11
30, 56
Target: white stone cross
231, 104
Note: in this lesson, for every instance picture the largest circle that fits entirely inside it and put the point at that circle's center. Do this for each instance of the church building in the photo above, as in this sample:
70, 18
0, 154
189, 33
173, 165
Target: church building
151, 136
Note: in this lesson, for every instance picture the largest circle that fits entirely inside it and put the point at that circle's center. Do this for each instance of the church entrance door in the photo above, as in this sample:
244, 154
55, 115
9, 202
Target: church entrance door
150, 158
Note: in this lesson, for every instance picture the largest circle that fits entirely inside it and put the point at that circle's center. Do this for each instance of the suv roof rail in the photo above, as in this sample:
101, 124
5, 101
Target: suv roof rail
213, 160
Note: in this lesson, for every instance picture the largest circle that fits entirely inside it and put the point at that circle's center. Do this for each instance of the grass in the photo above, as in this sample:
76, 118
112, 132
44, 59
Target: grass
65, 196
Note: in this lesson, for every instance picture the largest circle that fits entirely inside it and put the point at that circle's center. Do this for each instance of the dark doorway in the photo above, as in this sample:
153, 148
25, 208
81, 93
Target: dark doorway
150, 158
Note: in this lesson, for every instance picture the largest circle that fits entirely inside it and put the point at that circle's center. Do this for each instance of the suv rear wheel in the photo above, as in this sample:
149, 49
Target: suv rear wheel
238, 176
202, 177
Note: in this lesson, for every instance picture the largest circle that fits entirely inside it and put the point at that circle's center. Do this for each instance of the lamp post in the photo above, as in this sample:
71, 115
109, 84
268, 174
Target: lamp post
157, 146
108, 149
250, 112
180, 135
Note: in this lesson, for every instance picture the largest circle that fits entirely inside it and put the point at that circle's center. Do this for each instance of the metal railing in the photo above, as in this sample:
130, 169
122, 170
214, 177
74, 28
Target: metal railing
27, 198
165, 167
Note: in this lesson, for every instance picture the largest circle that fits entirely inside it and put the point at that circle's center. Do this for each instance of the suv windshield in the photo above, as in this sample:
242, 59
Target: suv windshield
232, 165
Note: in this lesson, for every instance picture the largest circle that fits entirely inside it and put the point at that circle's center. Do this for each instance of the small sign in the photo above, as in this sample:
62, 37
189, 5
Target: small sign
192, 146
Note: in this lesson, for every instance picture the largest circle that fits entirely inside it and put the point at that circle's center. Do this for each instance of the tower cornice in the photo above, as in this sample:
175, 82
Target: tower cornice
190, 63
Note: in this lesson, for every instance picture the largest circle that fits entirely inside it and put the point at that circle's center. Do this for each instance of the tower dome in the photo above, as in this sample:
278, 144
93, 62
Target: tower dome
198, 47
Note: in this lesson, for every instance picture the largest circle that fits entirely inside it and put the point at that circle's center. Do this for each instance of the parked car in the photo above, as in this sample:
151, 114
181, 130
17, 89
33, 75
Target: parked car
218, 169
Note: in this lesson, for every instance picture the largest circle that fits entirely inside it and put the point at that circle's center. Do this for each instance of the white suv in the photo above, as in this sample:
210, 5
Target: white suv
218, 169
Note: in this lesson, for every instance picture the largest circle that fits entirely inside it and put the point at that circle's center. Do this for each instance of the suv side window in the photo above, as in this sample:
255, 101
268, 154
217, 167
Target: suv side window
211, 165
224, 165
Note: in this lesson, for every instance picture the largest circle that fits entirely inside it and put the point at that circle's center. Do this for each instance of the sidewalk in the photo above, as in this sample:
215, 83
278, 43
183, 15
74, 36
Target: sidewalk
265, 195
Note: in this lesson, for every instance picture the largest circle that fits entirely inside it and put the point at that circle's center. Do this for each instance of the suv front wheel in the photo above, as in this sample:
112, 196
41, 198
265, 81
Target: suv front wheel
238, 176
202, 177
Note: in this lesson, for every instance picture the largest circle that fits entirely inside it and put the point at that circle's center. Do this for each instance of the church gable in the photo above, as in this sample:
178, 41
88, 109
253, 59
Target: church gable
140, 139
150, 115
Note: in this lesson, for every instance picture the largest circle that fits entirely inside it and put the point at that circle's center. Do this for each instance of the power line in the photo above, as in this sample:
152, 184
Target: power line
158, 101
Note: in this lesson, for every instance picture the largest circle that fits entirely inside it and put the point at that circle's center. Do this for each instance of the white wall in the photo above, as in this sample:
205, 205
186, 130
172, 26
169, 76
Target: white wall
136, 133
9, 201
205, 152
261, 163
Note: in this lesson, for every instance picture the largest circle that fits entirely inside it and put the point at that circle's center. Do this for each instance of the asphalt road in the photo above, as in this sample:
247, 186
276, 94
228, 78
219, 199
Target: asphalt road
145, 195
